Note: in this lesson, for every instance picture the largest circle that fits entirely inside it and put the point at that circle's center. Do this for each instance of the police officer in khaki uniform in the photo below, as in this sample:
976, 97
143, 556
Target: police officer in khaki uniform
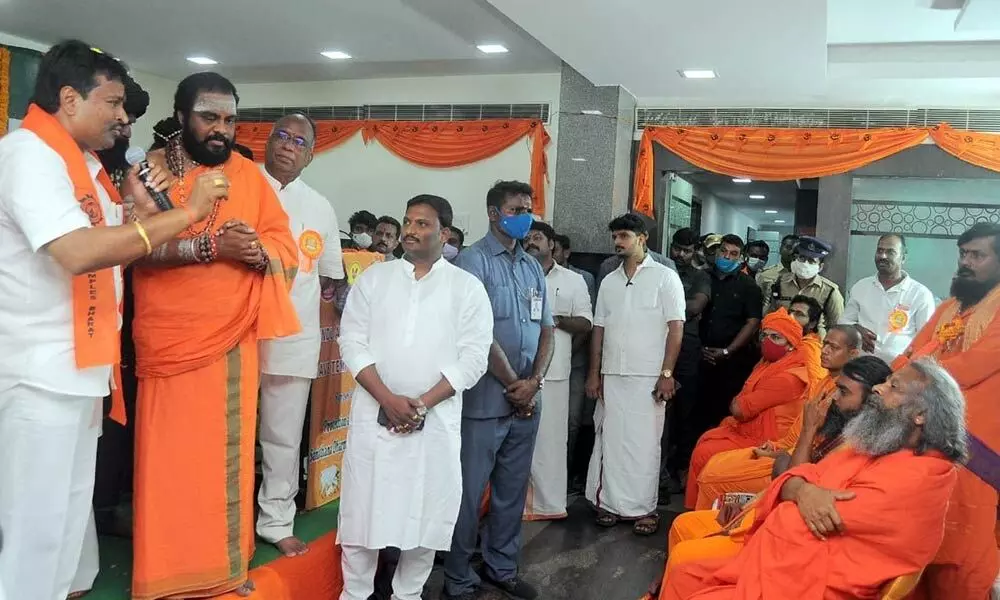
767, 277
804, 278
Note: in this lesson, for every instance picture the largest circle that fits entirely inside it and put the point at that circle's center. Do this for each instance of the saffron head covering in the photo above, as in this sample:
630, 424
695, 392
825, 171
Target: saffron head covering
784, 324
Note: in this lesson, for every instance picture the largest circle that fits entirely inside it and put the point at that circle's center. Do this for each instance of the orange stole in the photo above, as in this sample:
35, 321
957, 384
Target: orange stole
739, 471
770, 398
196, 330
967, 562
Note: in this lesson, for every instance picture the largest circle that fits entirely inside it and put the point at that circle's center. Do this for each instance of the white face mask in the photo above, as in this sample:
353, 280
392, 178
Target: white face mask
363, 240
449, 252
755, 264
804, 270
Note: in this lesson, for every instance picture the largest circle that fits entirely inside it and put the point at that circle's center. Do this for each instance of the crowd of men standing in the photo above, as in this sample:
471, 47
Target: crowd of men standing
477, 366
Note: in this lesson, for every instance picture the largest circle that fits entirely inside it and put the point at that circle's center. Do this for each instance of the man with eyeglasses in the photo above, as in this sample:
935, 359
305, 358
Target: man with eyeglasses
288, 365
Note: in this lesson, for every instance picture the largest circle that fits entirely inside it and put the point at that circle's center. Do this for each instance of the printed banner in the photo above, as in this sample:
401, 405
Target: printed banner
331, 397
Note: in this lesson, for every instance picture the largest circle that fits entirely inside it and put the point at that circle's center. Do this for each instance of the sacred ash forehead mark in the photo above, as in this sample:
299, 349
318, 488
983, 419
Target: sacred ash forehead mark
220, 104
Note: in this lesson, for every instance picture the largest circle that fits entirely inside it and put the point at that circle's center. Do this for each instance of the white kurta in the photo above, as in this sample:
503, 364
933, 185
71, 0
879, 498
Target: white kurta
624, 468
405, 490
546, 497
314, 228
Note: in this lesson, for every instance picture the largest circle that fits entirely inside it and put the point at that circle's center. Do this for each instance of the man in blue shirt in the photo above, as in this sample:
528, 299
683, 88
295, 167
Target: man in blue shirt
499, 414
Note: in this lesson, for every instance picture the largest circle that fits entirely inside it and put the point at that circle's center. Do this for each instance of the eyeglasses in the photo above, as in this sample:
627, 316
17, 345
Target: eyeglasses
299, 142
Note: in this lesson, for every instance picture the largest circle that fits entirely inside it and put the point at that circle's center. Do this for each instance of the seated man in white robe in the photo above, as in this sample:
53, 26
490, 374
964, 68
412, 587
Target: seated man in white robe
415, 334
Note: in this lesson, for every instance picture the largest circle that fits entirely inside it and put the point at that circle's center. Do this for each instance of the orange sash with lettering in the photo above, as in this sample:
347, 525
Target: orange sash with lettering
95, 309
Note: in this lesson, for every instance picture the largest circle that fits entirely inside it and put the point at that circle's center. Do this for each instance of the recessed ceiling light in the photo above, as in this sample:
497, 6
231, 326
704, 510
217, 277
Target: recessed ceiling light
578, 159
202, 60
742, 180
492, 48
335, 54
697, 74
591, 112
757, 196
779, 221
770, 212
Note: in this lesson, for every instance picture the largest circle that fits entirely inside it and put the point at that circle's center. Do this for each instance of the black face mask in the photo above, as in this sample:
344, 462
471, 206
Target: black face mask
201, 153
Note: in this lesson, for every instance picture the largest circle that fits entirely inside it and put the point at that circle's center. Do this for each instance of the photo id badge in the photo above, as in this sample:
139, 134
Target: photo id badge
536, 306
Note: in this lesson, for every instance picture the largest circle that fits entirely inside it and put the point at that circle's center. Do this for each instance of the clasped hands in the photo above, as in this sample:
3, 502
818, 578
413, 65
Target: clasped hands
405, 414
521, 394
239, 242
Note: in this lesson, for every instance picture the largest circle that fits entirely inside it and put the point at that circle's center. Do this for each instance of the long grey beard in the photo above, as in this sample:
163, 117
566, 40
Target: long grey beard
878, 430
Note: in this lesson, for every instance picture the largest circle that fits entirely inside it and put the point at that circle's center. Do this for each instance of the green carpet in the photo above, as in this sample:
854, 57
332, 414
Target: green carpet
115, 578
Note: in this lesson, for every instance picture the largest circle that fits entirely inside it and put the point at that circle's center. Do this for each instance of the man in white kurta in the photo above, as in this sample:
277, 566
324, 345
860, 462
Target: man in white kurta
633, 318
416, 331
288, 365
890, 307
572, 313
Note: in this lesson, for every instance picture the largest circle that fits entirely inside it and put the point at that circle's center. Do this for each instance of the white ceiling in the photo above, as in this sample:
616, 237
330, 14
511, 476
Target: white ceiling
778, 53
257, 41
779, 196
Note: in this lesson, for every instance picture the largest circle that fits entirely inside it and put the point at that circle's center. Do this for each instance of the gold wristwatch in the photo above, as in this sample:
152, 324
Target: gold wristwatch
667, 374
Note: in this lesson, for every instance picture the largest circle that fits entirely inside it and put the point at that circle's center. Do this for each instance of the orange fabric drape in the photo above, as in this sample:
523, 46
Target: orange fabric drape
329, 135
435, 144
768, 154
4, 89
980, 149
444, 144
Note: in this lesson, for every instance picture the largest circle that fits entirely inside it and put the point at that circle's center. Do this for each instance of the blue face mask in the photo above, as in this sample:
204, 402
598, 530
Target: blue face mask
724, 265
517, 226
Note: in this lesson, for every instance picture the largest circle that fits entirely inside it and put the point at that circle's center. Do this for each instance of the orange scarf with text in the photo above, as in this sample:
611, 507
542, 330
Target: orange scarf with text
95, 310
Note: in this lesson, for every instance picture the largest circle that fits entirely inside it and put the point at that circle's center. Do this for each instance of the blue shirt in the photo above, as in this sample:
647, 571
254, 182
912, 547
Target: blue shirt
510, 281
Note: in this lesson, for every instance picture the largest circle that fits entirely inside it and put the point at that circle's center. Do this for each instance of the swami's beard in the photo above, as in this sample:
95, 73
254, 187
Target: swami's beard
201, 153
835, 422
878, 430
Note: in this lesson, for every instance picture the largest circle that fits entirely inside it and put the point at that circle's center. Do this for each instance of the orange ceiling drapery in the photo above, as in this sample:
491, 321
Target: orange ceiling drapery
768, 154
329, 135
444, 144
434, 144
980, 149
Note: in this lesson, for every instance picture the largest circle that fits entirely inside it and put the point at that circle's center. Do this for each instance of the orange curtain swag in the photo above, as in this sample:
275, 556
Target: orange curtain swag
768, 154
783, 154
980, 149
4, 89
434, 144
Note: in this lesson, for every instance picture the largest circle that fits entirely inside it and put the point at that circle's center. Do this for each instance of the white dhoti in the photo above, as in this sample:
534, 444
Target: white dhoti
624, 469
48, 454
90, 560
546, 497
283, 403
359, 566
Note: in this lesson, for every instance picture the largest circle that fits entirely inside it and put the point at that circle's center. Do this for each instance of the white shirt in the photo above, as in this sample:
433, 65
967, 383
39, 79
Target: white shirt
634, 316
569, 298
895, 315
38, 205
405, 490
310, 218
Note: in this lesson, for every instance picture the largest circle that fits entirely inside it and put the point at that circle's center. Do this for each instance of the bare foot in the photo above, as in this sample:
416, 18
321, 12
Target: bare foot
246, 589
292, 546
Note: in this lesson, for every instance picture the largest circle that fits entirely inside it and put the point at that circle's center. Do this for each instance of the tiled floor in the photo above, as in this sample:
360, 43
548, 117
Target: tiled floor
575, 559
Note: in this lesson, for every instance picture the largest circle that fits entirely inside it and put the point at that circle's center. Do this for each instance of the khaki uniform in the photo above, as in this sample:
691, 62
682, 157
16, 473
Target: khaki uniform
827, 293
766, 279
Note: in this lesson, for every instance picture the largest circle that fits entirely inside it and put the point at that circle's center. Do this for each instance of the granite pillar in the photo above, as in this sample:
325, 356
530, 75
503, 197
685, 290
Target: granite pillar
593, 164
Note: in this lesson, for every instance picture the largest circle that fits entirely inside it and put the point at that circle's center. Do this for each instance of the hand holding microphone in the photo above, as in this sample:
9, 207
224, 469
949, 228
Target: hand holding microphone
147, 184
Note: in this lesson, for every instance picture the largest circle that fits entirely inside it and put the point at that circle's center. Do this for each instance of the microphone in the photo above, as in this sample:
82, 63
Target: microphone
628, 283
137, 156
